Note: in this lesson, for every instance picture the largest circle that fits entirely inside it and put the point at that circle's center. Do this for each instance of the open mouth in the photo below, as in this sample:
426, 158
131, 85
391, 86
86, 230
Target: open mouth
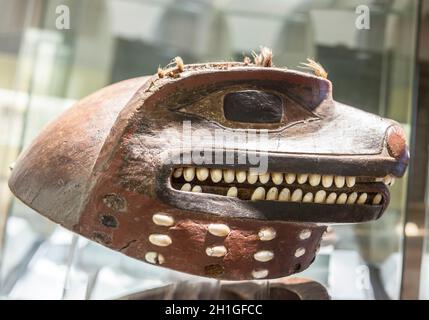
283, 187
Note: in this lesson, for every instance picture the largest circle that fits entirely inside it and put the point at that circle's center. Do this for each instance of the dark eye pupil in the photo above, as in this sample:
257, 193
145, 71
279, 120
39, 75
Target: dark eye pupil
253, 106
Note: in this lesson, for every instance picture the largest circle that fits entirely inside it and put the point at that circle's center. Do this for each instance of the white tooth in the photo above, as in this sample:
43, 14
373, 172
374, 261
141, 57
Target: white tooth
186, 187
327, 181
284, 195
350, 181
273, 194
308, 197
218, 229
377, 199
342, 198
296, 195
202, 174
387, 179
263, 256
290, 178
232, 192
331, 198
252, 177
320, 196
277, 177
258, 194
162, 220
189, 174
216, 175
339, 181
264, 177
240, 176
228, 175
161, 240
352, 198
302, 178
267, 234
315, 179
260, 273
362, 198
178, 172
217, 251
197, 189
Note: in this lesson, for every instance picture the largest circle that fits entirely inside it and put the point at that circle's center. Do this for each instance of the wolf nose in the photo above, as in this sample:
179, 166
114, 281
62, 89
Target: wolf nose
396, 143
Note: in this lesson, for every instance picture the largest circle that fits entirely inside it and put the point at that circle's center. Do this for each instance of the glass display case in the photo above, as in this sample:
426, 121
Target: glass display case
424, 120
424, 273
48, 63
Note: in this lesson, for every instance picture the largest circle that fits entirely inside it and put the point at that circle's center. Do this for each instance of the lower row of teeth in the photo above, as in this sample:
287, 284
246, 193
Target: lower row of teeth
285, 194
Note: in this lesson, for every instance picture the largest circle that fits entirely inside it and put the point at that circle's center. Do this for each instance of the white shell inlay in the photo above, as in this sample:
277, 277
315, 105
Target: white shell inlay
218, 229
260, 273
263, 256
154, 257
217, 251
299, 252
267, 234
162, 220
161, 240
305, 234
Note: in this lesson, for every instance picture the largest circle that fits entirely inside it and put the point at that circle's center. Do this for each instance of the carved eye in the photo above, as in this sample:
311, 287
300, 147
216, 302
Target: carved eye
252, 106
248, 108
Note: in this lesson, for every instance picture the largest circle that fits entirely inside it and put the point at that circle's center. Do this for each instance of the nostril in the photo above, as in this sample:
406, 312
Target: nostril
396, 142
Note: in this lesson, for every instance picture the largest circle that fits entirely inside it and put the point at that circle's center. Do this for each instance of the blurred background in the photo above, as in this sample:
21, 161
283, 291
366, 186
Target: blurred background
45, 66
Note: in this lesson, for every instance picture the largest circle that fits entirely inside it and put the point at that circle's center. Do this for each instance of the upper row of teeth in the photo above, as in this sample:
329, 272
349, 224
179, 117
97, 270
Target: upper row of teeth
241, 176
297, 195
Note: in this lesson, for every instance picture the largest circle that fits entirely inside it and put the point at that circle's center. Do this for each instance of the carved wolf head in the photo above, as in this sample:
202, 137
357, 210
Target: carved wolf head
135, 166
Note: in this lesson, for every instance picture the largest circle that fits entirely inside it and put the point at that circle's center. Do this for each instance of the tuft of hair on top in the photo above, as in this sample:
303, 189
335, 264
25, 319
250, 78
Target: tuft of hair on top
264, 58
316, 67
247, 61
179, 64
161, 72
173, 69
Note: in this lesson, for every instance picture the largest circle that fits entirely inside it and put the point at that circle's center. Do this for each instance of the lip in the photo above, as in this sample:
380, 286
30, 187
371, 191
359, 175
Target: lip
213, 199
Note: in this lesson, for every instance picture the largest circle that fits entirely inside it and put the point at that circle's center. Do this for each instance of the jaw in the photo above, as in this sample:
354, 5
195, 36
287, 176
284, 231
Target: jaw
331, 191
